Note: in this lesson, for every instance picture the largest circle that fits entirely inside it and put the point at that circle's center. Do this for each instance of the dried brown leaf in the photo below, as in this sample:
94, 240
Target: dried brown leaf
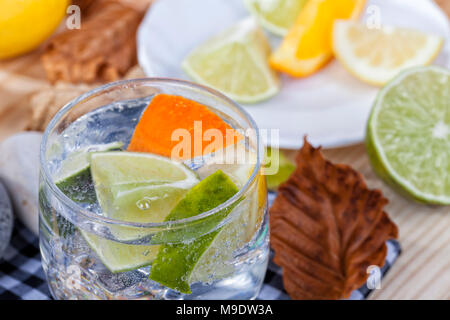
102, 50
327, 227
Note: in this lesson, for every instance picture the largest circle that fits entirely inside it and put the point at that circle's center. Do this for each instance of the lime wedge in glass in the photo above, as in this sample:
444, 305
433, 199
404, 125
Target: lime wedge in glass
408, 134
120, 257
277, 16
74, 176
238, 162
138, 187
134, 187
217, 261
176, 263
235, 62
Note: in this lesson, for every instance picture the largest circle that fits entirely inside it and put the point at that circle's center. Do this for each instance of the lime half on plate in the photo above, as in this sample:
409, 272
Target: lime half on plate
408, 134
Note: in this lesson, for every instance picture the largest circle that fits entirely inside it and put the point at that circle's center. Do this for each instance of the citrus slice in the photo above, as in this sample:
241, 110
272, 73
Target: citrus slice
169, 118
217, 261
139, 187
408, 134
276, 16
74, 176
307, 46
377, 55
235, 63
176, 262
119, 257
238, 163
134, 187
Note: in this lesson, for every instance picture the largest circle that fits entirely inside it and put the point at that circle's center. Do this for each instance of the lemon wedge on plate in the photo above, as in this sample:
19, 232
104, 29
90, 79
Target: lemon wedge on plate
377, 55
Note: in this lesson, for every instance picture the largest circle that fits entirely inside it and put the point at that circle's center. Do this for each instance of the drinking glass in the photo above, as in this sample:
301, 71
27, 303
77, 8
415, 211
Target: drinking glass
79, 242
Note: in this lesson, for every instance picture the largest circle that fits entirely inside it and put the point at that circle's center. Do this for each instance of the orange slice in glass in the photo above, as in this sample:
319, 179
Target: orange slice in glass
180, 128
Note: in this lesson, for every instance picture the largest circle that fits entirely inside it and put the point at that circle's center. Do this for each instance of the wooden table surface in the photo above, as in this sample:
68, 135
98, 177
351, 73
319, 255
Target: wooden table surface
421, 272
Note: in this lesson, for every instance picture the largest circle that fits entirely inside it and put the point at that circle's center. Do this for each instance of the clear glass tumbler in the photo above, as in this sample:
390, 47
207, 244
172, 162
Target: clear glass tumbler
84, 252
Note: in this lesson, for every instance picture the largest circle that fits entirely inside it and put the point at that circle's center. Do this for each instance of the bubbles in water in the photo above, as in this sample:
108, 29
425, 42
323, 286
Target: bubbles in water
145, 203
119, 107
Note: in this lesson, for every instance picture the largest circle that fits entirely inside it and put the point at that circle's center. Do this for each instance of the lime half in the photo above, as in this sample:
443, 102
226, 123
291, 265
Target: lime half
235, 62
277, 16
408, 134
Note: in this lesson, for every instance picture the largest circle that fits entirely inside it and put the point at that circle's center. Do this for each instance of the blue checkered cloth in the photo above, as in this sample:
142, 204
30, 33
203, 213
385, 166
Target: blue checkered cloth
21, 274
22, 277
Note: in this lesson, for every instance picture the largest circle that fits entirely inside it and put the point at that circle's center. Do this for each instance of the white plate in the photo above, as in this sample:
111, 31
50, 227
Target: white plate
331, 107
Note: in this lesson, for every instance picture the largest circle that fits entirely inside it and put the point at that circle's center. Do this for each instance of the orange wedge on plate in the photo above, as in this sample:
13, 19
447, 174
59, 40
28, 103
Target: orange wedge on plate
180, 128
308, 45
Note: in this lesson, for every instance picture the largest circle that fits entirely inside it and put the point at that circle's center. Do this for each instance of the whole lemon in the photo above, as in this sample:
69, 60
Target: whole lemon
24, 24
